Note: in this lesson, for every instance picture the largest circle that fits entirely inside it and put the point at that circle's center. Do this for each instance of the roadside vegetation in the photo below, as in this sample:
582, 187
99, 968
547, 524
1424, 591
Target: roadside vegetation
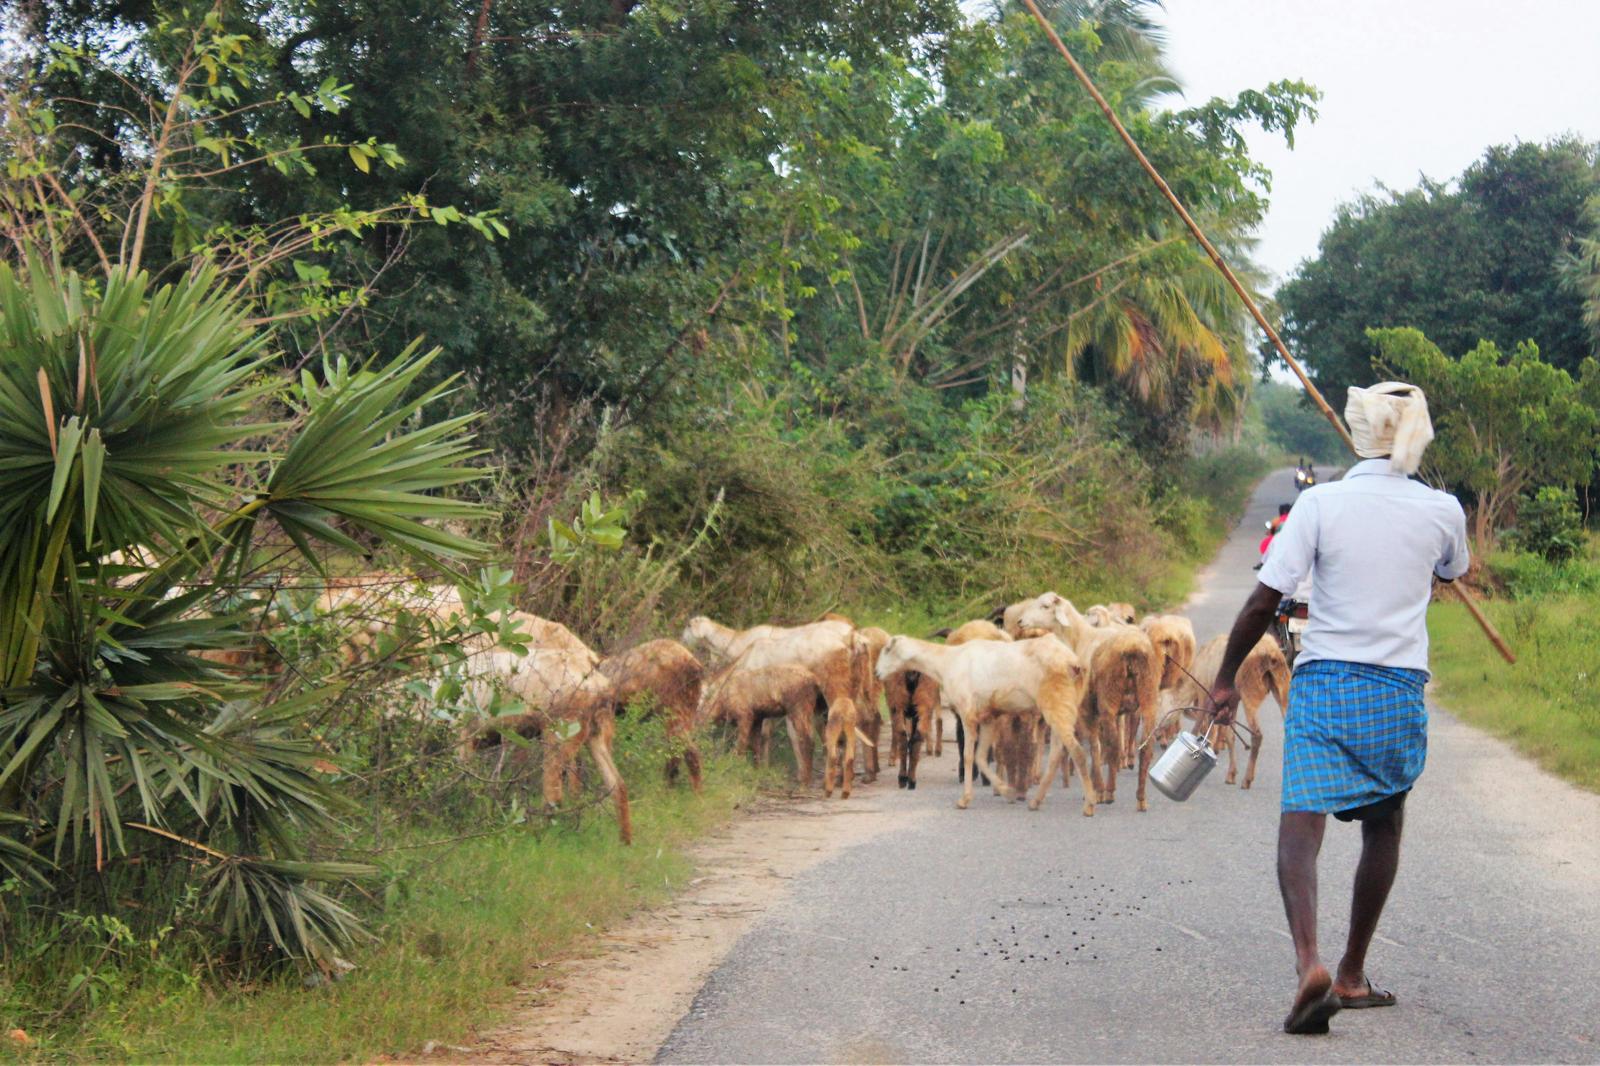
1548, 704
465, 923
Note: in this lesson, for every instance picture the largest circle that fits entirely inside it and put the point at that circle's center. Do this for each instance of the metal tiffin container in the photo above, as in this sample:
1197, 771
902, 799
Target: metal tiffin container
1184, 764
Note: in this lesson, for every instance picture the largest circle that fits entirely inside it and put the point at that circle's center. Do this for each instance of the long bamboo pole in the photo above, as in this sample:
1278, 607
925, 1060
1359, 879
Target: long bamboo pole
1082, 75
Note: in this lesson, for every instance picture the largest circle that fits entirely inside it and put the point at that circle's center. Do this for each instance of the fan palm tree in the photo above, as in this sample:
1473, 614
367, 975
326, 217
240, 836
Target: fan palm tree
141, 421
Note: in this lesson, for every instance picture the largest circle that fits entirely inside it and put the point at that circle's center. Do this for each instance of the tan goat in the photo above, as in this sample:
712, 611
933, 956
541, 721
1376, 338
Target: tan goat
1120, 613
568, 704
1173, 637
825, 648
916, 710
829, 649
1124, 681
869, 695
984, 678
1263, 673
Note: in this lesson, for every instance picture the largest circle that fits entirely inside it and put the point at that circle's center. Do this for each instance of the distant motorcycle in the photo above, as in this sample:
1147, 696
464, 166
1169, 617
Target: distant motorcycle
1304, 478
1287, 624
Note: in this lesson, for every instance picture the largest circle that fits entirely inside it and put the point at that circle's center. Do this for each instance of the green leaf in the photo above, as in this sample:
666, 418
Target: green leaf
71, 434
358, 156
94, 457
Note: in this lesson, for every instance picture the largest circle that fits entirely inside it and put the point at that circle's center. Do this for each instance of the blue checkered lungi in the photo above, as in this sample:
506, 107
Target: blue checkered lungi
1355, 734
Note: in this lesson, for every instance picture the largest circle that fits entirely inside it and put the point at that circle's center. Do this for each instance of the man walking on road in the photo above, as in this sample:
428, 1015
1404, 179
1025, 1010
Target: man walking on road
1356, 734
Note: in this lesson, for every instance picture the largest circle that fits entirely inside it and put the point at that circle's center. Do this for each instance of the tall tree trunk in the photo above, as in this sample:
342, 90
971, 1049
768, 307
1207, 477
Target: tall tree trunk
479, 32
1019, 367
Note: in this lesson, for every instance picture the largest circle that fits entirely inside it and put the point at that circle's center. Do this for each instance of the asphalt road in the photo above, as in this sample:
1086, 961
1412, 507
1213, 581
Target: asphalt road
999, 935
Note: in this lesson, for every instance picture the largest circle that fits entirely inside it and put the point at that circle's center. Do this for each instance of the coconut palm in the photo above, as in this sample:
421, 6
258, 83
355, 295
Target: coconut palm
1164, 333
148, 448
1581, 268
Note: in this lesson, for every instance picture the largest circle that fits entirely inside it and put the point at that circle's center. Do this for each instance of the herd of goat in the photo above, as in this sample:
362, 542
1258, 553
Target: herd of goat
1037, 689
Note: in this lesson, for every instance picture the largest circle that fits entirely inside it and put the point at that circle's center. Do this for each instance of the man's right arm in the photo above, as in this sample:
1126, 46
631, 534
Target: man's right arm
1248, 628
1294, 551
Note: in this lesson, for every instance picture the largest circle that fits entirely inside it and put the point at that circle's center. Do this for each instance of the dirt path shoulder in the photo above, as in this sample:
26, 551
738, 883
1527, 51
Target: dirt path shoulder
620, 1003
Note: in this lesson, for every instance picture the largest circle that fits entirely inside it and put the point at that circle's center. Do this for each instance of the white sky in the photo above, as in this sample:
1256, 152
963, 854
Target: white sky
1410, 87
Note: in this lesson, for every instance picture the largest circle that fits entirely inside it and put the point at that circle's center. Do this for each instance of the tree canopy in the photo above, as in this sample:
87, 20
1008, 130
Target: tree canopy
673, 189
1506, 424
1484, 257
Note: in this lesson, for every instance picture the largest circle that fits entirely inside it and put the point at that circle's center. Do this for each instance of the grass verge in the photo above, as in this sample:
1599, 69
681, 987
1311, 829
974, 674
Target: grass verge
1548, 704
484, 913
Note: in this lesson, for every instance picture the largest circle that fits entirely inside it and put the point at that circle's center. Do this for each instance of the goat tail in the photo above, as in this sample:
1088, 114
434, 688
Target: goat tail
1278, 678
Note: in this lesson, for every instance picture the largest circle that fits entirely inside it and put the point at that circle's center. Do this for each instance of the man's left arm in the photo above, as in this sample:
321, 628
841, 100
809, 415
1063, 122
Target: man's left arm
1248, 629
1456, 556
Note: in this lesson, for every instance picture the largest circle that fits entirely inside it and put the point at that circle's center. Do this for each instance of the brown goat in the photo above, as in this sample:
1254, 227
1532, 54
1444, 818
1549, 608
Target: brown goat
914, 710
667, 674
1124, 678
870, 641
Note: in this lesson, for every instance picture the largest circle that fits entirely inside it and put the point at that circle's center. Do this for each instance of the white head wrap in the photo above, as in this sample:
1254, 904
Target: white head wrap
1391, 418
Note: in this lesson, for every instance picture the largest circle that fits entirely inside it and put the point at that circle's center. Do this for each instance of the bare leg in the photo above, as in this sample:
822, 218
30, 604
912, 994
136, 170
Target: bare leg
1110, 758
691, 758
1089, 795
1225, 736
872, 729
911, 749
1144, 765
1380, 859
830, 754
1299, 843
986, 752
847, 731
600, 748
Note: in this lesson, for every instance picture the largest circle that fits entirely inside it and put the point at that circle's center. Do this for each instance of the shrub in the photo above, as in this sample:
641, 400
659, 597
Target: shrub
1549, 524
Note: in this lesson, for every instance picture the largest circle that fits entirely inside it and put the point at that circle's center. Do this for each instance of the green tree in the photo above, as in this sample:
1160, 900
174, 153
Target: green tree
1506, 425
623, 144
1480, 258
1294, 426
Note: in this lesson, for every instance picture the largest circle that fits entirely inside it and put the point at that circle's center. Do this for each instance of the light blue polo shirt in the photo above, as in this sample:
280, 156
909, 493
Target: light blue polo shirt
1371, 543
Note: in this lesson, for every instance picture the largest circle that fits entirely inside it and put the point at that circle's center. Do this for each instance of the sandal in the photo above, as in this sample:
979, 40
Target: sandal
1373, 997
1310, 1015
